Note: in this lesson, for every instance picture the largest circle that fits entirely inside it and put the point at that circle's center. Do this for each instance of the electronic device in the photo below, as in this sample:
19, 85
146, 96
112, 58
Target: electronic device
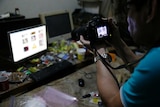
10, 25
27, 42
52, 70
81, 82
96, 29
59, 25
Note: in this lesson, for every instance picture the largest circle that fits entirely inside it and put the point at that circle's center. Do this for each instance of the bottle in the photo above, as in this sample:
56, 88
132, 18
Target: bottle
17, 11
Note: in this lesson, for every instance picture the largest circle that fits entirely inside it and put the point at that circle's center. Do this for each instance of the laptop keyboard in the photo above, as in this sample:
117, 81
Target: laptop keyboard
50, 70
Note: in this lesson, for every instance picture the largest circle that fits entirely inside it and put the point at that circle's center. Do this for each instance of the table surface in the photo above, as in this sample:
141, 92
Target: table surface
69, 85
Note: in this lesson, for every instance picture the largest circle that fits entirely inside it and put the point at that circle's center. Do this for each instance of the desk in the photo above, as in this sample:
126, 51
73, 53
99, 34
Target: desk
69, 84
29, 84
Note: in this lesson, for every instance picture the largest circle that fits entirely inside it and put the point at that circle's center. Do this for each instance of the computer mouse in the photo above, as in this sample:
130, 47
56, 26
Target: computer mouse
81, 82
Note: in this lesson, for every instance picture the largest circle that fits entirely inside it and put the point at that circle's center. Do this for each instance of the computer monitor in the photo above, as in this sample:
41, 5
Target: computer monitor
59, 25
27, 42
11, 25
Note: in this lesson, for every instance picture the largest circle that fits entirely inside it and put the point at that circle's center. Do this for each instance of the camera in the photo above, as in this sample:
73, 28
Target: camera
95, 30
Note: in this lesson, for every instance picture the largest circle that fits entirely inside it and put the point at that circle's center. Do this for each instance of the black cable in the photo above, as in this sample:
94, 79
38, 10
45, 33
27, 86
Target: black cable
120, 66
106, 65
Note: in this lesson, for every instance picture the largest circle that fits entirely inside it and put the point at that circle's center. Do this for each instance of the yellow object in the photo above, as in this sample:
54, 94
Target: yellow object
36, 60
95, 100
113, 56
81, 54
33, 69
80, 57
20, 69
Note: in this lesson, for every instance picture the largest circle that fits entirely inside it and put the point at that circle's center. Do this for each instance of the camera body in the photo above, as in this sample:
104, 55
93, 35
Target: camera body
95, 30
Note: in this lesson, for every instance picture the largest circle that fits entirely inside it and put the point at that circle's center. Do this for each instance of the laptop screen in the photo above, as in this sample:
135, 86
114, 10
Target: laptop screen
27, 42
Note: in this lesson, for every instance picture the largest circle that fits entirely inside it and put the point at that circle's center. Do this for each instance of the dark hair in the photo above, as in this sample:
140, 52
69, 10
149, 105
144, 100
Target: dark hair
140, 3
137, 3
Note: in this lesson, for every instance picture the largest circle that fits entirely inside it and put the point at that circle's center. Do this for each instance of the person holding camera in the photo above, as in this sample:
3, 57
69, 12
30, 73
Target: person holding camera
142, 89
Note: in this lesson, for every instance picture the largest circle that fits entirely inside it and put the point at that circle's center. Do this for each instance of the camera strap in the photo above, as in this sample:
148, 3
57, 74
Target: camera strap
120, 66
107, 65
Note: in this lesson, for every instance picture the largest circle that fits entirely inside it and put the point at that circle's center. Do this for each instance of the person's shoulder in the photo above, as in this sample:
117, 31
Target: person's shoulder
151, 59
155, 49
153, 53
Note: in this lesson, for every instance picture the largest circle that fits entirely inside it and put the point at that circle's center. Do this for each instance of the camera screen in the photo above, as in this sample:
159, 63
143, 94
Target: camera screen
102, 31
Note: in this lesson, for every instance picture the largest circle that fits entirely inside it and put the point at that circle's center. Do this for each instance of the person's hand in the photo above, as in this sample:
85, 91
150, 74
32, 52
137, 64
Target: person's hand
99, 46
85, 42
114, 32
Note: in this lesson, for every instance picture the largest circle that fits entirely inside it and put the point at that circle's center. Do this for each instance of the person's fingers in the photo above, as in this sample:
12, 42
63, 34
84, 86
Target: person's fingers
112, 24
85, 42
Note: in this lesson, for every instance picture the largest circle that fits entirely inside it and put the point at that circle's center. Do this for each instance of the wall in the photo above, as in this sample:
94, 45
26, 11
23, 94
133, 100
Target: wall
31, 8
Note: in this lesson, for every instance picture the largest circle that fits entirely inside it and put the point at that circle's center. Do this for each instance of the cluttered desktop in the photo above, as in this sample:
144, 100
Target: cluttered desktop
43, 54
38, 49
